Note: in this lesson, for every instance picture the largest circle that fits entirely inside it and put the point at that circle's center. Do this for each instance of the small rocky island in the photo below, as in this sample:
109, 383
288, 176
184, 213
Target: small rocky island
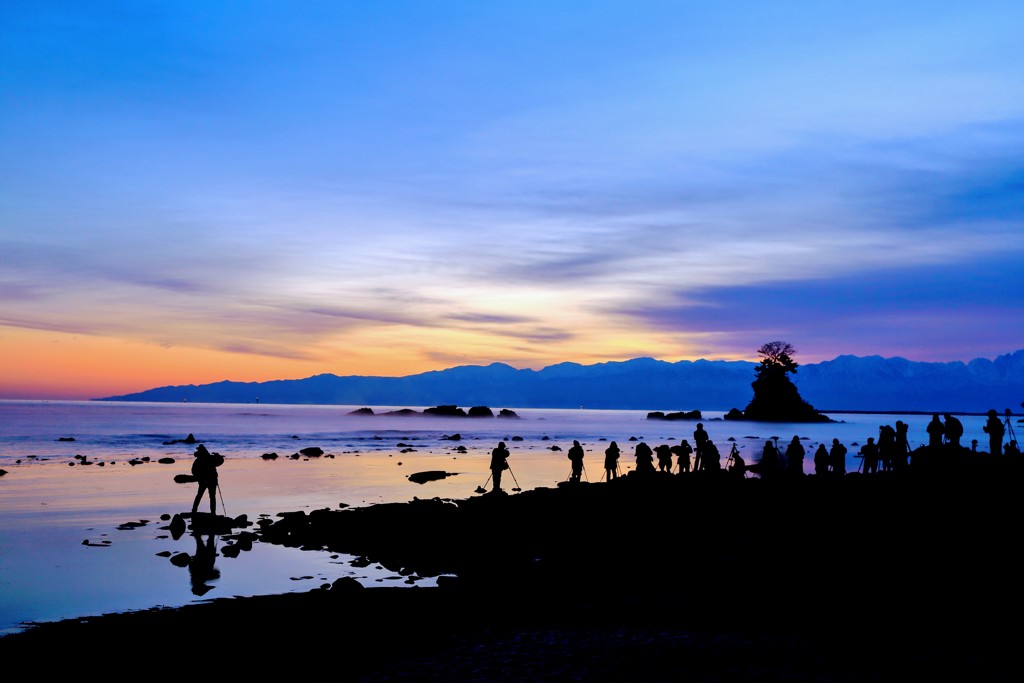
776, 398
443, 411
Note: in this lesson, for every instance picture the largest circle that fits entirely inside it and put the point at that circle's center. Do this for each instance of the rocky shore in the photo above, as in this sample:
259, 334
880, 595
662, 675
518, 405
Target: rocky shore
702, 577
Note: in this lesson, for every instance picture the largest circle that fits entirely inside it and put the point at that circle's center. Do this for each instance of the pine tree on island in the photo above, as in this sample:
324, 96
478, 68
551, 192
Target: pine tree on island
776, 398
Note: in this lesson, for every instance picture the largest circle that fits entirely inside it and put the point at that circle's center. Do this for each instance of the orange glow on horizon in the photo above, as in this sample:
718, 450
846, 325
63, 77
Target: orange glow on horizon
37, 364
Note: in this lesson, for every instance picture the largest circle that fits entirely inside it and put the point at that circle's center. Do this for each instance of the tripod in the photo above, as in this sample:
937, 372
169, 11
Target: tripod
1008, 426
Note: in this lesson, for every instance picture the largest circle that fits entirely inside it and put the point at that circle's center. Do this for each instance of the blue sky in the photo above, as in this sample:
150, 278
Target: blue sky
249, 190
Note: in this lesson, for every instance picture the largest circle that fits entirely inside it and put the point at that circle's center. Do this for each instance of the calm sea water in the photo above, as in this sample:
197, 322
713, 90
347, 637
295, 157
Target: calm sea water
64, 551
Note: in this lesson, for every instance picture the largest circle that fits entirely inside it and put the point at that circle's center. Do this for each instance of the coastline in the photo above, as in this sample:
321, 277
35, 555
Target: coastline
857, 578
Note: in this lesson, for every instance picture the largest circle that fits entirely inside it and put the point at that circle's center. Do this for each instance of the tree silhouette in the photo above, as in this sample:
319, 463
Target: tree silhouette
776, 398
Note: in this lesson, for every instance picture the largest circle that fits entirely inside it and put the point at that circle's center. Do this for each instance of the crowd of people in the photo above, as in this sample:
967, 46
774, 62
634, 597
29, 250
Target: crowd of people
890, 452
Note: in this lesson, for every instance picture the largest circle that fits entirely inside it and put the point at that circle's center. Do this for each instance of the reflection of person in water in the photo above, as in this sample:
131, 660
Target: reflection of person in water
498, 465
204, 469
201, 569
611, 461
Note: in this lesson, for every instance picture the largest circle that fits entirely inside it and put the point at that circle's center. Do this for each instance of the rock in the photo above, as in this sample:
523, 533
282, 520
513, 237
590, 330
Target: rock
181, 560
505, 412
453, 437
733, 414
445, 411
362, 411
403, 412
269, 456
430, 475
480, 411
312, 451
683, 415
177, 527
347, 584
3, 472
516, 438
66, 438
166, 461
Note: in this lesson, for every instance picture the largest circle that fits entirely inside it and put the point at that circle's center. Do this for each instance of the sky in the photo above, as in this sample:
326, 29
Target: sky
193, 192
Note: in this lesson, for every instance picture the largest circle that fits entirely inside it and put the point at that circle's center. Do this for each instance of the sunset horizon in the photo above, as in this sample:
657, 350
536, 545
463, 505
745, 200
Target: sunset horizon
198, 193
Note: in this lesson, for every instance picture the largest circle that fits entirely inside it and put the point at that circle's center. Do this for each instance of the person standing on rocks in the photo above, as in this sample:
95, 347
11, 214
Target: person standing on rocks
576, 458
954, 430
795, 457
995, 430
837, 455
664, 452
935, 431
821, 460
499, 464
683, 451
204, 469
700, 439
644, 459
611, 461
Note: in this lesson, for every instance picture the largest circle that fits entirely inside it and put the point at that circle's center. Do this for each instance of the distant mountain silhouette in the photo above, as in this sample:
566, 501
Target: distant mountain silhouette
848, 383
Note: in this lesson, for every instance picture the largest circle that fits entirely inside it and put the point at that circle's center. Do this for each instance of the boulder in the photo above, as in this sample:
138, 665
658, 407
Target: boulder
430, 475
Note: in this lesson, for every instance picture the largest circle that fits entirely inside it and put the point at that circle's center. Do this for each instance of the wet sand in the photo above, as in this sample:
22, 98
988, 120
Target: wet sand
860, 578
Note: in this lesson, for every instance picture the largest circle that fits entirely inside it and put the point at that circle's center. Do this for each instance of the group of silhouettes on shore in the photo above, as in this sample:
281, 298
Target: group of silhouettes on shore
890, 453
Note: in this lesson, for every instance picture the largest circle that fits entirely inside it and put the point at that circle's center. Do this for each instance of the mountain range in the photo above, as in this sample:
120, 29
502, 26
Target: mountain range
844, 384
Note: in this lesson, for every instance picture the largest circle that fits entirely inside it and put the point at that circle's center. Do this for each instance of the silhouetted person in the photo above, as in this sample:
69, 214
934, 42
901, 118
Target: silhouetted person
869, 452
795, 457
611, 461
700, 438
644, 458
201, 569
935, 431
974, 445
821, 460
902, 444
994, 428
1012, 450
954, 430
887, 448
576, 458
769, 466
711, 459
737, 467
499, 464
837, 457
664, 452
204, 469
684, 450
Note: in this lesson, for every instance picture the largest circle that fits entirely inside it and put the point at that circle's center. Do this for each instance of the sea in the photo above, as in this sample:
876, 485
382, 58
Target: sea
88, 486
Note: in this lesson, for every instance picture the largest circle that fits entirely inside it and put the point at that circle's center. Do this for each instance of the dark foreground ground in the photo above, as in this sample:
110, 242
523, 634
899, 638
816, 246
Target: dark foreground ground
699, 578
